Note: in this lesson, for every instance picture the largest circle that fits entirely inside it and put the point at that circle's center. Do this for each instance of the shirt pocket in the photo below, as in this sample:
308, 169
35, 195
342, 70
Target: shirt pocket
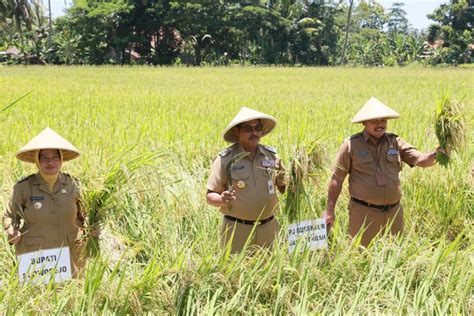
35, 211
37, 241
66, 205
394, 163
364, 164
239, 177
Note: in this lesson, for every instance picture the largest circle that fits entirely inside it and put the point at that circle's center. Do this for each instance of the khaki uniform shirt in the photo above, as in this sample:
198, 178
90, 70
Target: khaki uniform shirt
361, 158
50, 219
257, 199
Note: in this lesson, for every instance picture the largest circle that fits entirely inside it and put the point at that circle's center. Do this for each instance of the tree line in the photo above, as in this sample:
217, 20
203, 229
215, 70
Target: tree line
223, 32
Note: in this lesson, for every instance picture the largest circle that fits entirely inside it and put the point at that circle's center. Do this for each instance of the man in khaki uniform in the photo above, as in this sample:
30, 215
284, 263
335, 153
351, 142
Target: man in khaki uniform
248, 199
44, 211
373, 159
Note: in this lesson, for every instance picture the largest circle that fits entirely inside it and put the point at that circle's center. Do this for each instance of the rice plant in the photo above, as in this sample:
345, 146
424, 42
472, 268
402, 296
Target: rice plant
305, 162
100, 199
160, 249
6, 107
450, 127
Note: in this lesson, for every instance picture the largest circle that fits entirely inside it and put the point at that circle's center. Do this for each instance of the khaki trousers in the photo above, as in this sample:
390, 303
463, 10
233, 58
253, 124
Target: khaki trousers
373, 221
237, 234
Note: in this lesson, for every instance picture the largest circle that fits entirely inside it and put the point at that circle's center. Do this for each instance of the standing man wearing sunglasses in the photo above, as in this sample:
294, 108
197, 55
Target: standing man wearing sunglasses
243, 182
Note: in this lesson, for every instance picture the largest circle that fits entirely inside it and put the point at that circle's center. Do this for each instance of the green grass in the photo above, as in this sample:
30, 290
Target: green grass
162, 252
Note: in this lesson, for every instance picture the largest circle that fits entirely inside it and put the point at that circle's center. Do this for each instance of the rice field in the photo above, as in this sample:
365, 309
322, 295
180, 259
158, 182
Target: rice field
155, 132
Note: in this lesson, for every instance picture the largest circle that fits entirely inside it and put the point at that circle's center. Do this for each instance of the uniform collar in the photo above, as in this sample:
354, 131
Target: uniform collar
259, 151
43, 186
367, 137
62, 178
39, 180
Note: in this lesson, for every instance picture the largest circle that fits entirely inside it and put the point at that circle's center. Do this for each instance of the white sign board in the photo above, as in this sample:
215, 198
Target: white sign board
39, 266
312, 234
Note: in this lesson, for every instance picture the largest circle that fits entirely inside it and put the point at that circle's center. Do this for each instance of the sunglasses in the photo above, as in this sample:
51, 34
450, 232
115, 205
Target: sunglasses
250, 128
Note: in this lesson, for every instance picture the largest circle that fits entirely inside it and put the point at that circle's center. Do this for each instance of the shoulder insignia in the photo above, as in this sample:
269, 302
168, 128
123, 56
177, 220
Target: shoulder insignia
73, 178
226, 151
25, 178
270, 149
69, 176
355, 135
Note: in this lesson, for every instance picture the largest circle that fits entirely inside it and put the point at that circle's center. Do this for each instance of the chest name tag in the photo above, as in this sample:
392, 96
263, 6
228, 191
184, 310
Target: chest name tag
268, 163
238, 167
392, 151
362, 154
37, 198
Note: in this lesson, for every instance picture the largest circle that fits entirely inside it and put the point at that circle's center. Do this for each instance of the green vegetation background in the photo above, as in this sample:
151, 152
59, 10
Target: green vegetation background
202, 32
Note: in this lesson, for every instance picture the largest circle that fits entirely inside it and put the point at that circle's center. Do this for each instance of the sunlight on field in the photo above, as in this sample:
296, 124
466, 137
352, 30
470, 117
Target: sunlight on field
169, 260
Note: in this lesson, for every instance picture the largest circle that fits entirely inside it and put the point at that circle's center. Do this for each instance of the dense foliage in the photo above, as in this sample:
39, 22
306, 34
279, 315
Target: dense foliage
290, 32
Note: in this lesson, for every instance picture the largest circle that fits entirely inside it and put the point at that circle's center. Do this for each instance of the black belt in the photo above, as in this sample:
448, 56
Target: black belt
380, 207
246, 222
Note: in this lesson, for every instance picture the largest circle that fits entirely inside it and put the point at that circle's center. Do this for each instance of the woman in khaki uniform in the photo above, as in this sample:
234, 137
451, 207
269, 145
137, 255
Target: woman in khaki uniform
44, 211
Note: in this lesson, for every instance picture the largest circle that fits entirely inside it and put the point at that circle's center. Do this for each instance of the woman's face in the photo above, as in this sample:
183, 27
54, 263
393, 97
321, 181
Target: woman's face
49, 161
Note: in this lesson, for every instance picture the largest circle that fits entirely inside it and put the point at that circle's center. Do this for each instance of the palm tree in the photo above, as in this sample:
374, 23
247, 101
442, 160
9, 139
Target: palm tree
19, 13
349, 13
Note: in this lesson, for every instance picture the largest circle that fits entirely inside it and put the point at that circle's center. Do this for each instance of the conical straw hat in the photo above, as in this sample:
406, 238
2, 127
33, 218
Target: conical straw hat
374, 109
47, 139
245, 114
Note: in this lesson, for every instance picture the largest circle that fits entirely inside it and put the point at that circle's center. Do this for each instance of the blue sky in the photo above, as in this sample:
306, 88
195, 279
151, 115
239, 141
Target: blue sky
416, 9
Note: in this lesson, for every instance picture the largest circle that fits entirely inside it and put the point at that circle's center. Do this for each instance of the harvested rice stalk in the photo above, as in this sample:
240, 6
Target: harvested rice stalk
450, 127
317, 155
100, 199
298, 169
303, 166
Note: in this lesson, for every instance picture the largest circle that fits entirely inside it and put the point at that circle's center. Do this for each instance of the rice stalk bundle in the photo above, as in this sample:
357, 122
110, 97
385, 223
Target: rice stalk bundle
450, 127
299, 170
317, 155
305, 162
100, 199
